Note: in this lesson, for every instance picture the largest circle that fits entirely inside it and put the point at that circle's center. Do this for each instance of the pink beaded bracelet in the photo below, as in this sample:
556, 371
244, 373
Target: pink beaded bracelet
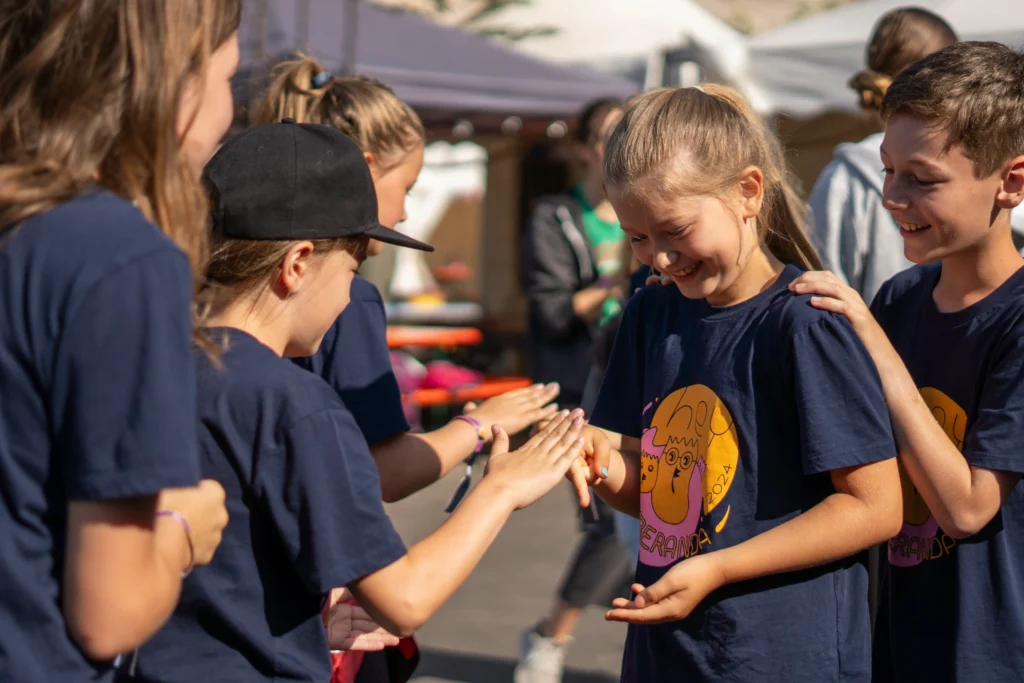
174, 514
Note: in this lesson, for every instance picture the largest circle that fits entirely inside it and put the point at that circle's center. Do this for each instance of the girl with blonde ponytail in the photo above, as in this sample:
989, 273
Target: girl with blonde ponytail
745, 428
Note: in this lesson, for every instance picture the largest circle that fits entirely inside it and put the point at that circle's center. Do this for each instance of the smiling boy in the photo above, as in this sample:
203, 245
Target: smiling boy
948, 339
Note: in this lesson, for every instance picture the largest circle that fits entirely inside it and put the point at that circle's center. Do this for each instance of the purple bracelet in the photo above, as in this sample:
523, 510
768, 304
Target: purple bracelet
481, 433
174, 514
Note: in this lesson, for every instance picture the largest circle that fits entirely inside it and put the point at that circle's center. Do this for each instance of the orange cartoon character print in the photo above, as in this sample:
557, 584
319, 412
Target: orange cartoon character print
688, 461
919, 538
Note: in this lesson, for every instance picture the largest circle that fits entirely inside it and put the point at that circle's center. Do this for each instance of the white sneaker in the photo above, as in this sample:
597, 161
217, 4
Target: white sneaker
541, 660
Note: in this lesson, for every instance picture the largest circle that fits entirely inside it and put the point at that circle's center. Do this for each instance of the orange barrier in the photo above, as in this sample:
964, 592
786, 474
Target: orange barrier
491, 386
400, 336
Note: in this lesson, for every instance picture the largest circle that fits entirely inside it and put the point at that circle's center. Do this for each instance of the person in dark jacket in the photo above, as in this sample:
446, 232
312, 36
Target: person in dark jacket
576, 280
571, 258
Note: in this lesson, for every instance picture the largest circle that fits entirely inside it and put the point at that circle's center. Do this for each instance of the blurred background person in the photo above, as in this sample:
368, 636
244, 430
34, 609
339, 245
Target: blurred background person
856, 236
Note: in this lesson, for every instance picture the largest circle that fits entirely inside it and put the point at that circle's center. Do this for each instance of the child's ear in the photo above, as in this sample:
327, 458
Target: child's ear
1011, 192
295, 267
751, 185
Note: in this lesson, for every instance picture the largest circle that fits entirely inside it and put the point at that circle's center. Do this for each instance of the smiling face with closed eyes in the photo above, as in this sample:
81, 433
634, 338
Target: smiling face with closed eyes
934, 195
705, 244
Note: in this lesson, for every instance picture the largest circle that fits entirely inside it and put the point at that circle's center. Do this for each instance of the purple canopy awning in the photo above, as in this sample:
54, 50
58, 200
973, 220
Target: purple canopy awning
431, 67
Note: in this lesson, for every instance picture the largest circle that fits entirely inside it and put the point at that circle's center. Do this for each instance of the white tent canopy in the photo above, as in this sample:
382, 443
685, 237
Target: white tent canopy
612, 35
801, 69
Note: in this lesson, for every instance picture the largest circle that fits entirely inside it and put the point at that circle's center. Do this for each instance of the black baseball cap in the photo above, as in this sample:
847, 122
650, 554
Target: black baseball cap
295, 181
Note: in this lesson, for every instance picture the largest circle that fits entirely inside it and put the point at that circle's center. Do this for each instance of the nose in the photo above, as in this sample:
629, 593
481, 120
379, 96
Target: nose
893, 195
663, 260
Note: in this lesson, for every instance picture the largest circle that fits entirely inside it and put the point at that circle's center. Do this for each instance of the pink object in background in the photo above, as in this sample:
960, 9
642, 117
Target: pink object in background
442, 374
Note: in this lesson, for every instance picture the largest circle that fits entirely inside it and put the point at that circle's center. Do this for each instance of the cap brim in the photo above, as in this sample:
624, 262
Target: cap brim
379, 232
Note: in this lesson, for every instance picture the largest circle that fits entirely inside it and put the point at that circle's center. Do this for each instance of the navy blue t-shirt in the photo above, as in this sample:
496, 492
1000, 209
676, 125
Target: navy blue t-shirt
954, 610
355, 361
742, 412
97, 402
306, 516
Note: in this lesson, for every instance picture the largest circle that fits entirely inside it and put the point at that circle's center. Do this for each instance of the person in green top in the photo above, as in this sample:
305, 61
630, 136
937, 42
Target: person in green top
605, 235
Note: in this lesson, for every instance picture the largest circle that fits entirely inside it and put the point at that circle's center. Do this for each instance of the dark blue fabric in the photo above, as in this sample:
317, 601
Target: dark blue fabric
306, 516
742, 413
355, 361
638, 279
954, 610
97, 402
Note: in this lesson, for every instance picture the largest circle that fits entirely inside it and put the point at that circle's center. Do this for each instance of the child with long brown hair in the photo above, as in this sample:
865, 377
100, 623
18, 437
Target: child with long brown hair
749, 429
354, 357
110, 109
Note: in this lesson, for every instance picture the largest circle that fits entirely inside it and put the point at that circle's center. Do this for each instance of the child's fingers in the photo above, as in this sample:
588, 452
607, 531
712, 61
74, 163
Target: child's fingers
601, 458
652, 614
557, 441
499, 445
469, 407
538, 414
827, 303
550, 426
578, 478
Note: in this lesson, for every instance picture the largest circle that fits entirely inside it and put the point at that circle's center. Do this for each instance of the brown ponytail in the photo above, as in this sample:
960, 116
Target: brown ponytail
901, 37
697, 141
362, 108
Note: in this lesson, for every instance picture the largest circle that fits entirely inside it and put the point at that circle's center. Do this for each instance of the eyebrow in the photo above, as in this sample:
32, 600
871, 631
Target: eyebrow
918, 160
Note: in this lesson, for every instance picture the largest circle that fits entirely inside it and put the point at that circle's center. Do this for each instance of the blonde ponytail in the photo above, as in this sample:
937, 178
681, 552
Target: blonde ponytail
362, 108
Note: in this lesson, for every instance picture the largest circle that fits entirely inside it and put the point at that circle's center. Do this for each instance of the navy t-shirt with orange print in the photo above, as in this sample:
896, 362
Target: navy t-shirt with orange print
949, 609
742, 413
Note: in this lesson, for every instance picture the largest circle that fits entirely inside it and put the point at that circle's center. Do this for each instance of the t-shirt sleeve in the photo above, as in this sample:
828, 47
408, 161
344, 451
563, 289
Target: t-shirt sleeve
124, 389
355, 361
843, 417
323, 494
996, 439
619, 405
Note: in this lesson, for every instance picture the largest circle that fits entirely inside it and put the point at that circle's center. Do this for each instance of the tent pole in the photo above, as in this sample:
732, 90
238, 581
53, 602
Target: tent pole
302, 26
349, 31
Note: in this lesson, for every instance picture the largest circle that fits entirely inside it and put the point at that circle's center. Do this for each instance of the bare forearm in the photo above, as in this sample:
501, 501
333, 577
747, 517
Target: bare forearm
621, 489
117, 597
939, 471
839, 526
408, 463
436, 566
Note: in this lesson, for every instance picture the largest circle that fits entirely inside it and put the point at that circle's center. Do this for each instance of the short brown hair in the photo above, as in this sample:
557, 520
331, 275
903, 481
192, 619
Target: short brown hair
975, 91
901, 37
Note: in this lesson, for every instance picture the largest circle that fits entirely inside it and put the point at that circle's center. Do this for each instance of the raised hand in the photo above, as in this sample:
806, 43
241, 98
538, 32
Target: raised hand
517, 409
531, 471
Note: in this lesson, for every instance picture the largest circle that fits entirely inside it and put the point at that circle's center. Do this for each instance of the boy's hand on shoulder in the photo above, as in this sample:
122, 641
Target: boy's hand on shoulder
673, 597
829, 293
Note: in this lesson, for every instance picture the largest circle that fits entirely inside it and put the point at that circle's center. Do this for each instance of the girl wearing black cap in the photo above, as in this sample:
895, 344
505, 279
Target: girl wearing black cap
302, 487
354, 357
